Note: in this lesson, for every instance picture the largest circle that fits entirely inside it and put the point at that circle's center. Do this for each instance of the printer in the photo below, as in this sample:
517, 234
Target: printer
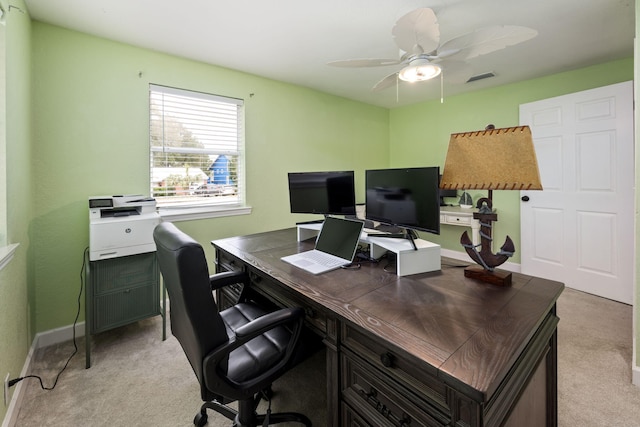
121, 225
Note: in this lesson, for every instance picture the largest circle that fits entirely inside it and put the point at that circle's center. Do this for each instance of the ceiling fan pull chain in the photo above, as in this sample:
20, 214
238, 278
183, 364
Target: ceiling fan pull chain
441, 88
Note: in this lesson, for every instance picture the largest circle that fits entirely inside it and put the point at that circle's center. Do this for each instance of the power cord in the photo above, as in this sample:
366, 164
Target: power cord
390, 266
14, 381
361, 257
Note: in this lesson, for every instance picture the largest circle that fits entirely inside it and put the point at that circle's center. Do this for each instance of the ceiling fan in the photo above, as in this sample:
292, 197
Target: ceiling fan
423, 57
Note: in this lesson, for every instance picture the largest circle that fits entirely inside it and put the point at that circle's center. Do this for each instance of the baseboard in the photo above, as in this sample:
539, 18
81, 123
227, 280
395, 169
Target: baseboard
635, 369
463, 256
635, 376
11, 416
58, 335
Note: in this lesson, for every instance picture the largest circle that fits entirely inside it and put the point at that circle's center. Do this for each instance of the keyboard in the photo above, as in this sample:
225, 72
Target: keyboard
324, 259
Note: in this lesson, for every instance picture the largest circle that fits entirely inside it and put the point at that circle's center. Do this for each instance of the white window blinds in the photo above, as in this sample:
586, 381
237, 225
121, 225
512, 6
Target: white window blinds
196, 148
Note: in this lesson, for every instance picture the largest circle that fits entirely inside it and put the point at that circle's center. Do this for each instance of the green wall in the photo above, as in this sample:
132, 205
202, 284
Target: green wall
16, 332
420, 133
91, 138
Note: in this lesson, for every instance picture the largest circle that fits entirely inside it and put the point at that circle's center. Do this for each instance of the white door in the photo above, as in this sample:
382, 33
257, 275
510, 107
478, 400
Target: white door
580, 229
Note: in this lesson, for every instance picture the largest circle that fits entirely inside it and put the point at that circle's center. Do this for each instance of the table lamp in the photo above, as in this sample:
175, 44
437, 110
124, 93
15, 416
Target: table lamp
492, 159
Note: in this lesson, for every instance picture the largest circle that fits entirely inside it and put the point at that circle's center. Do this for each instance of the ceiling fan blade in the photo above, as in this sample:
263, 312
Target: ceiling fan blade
485, 40
417, 32
389, 80
364, 62
455, 71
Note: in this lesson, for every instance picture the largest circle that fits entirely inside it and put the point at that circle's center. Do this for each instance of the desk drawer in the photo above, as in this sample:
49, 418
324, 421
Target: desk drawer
282, 297
225, 262
350, 418
229, 295
379, 402
455, 219
398, 368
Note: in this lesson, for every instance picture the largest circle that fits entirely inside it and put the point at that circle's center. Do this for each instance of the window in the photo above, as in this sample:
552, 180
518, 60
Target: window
196, 149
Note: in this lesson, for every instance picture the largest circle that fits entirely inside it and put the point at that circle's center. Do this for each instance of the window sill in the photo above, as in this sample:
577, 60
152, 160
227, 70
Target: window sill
203, 212
6, 254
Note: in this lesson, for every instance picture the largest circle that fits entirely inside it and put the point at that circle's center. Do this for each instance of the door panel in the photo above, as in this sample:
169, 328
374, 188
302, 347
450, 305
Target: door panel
580, 228
549, 154
596, 230
547, 221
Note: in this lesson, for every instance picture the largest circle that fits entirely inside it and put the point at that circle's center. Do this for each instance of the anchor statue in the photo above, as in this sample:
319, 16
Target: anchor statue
484, 257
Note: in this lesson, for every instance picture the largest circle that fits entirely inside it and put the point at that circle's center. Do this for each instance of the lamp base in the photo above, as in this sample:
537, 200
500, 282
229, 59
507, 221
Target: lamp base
496, 277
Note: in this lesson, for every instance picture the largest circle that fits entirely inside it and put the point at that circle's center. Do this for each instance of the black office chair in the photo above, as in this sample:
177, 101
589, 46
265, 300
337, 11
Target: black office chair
235, 353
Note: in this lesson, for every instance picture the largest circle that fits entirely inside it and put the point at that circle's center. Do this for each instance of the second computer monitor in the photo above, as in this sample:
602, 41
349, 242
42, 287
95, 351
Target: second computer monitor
404, 197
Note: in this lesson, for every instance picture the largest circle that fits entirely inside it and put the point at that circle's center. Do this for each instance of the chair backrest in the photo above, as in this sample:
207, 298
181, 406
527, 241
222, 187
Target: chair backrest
195, 320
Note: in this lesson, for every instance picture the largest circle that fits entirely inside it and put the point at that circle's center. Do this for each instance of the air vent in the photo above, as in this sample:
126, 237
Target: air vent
481, 76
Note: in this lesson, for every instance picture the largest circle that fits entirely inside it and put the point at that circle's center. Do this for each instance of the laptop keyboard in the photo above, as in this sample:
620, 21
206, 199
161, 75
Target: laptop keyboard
323, 259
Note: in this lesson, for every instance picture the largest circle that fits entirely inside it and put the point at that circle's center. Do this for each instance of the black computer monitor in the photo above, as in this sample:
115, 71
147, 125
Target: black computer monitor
446, 193
325, 193
406, 197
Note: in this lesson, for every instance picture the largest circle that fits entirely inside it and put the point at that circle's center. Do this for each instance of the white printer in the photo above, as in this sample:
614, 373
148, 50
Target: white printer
121, 226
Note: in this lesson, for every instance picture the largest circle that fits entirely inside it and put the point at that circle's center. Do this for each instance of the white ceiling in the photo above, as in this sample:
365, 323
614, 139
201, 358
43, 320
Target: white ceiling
292, 40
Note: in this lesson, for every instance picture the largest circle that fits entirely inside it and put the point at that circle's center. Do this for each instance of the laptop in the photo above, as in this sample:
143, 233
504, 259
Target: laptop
335, 246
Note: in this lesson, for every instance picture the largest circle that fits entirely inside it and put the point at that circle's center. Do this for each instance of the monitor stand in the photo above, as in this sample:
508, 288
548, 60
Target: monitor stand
423, 257
392, 232
315, 221
419, 257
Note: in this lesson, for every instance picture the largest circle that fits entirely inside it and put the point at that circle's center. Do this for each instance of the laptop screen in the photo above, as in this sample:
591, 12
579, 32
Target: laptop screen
339, 237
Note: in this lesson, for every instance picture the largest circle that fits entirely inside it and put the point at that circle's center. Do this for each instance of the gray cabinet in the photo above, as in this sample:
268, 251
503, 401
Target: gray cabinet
120, 291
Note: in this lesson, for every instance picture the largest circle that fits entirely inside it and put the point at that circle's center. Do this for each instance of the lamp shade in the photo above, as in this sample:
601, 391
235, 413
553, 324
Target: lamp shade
495, 159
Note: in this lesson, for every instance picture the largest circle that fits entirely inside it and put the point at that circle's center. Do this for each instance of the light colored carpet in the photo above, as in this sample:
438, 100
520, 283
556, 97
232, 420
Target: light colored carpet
137, 379
594, 363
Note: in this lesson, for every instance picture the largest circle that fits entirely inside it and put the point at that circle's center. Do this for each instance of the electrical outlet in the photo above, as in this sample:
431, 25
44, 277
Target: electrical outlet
6, 390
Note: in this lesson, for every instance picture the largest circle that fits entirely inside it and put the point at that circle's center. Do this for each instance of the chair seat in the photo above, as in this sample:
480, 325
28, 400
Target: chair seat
259, 354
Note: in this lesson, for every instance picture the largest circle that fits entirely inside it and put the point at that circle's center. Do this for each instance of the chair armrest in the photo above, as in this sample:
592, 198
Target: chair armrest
214, 363
257, 327
220, 280
269, 321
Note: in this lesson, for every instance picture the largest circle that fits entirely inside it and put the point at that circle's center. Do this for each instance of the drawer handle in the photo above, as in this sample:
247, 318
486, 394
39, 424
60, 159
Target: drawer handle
387, 359
255, 278
309, 312
372, 399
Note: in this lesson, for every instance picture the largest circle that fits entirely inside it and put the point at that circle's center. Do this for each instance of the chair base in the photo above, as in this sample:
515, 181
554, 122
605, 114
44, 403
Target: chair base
282, 417
246, 415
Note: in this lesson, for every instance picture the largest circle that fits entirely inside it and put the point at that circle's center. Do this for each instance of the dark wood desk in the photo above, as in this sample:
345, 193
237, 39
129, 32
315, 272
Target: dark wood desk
433, 349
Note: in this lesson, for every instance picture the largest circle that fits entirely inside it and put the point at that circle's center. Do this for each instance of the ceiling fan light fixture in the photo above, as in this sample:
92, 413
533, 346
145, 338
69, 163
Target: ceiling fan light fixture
419, 72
